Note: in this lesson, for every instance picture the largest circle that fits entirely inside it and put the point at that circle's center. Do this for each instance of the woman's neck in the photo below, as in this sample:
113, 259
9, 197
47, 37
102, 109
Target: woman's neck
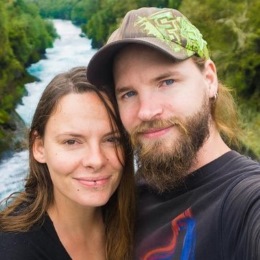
81, 231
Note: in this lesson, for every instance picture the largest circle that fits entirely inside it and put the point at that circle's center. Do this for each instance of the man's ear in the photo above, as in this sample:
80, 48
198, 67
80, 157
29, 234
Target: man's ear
38, 150
210, 74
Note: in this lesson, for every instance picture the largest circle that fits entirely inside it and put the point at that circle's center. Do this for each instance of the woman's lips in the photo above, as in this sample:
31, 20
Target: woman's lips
93, 182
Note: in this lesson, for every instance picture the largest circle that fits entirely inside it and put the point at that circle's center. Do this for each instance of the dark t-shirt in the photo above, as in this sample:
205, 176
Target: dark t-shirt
214, 215
40, 243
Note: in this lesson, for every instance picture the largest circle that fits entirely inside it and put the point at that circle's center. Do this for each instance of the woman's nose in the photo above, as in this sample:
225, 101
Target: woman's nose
94, 158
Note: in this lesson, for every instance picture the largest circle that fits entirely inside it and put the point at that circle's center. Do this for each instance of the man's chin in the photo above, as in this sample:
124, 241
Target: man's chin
163, 171
155, 149
161, 184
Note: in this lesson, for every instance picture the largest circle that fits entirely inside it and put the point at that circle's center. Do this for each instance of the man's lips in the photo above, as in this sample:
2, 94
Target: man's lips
94, 182
155, 132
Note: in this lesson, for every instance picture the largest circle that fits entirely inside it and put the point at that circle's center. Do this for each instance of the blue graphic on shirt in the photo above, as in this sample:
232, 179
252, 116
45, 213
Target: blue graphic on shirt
182, 223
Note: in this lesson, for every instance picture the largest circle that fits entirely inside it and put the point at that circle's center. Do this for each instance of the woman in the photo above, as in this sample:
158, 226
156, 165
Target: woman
78, 201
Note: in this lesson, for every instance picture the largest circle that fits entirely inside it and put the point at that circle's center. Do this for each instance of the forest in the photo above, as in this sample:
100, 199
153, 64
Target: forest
231, 28
24, 37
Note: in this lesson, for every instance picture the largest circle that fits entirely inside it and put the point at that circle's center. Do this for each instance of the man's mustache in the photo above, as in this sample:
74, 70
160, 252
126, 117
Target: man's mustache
145, 126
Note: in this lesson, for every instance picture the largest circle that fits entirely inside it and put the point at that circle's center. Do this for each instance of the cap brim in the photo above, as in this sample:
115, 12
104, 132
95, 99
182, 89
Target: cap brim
100, 67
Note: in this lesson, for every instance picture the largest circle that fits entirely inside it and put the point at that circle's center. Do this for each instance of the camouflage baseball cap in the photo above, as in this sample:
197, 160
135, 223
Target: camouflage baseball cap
166, 30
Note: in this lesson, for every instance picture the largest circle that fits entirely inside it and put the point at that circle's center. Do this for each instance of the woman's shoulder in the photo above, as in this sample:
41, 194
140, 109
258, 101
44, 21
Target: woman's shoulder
40, 242
15, 245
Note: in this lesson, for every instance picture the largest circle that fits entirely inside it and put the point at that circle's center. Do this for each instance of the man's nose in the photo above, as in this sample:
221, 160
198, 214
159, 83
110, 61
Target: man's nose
150, 107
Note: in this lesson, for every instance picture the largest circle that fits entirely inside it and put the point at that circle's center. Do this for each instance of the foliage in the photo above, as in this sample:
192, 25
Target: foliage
232, 29
251, 125
24, 38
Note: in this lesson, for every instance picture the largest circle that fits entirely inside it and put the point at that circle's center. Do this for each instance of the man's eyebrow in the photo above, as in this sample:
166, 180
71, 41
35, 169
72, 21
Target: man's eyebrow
122, 89
168, 74
165, 75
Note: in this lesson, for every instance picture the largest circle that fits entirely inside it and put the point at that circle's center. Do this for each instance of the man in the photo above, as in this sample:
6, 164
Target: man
198, 199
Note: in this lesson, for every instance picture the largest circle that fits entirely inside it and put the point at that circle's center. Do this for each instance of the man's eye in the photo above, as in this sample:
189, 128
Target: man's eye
129, 94
168, 82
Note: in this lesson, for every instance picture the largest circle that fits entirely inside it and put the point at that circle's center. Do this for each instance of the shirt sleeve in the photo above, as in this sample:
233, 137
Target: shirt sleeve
241, 221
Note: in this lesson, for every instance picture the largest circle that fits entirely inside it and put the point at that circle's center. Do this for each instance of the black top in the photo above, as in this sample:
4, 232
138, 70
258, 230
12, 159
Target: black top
40, 243
215, 215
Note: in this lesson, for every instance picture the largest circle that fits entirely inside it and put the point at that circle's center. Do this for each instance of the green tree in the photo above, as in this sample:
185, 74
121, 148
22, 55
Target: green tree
232, 31
24, 38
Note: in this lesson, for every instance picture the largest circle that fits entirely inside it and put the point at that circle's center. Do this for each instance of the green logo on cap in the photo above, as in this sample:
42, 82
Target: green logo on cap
175, 31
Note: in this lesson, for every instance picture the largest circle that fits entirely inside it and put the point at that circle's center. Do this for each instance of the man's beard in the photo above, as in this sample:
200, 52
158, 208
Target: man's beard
163, 166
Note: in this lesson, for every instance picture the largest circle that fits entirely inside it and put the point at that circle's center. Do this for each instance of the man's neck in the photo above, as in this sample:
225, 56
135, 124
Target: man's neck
212, 149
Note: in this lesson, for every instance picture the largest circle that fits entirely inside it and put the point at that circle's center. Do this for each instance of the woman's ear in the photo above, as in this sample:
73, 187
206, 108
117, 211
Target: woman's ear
210, 73
38, 150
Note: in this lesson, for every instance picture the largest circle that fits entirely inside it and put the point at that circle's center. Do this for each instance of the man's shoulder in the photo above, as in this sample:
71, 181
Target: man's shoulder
247, 173
234, 160
245, 159
240, 212
247, 186
242, 177
242, 195
234, 171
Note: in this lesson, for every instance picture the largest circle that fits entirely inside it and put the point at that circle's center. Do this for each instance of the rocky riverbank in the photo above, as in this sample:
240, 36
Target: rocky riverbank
13, 136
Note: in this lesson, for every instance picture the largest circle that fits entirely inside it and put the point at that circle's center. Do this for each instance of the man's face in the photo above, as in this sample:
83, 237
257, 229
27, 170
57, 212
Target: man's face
164, 105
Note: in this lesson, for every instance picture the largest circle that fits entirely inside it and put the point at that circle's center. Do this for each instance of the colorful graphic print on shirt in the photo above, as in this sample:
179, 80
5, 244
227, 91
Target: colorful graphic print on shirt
181, 244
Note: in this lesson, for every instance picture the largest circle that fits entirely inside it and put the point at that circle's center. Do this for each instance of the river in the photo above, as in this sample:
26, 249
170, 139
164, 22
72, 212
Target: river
69, 50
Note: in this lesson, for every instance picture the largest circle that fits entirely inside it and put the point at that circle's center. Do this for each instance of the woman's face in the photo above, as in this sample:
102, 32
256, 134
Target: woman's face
79, 150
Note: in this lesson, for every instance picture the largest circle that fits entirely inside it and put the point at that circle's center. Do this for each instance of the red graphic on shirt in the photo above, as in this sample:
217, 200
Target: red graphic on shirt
183, 221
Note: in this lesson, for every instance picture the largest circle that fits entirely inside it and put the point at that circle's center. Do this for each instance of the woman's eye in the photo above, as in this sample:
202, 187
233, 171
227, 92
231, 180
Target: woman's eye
70, 142
114, 139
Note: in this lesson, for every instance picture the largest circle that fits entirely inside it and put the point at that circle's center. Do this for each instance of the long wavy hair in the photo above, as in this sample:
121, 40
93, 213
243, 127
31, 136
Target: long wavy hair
26, 209
224, 111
